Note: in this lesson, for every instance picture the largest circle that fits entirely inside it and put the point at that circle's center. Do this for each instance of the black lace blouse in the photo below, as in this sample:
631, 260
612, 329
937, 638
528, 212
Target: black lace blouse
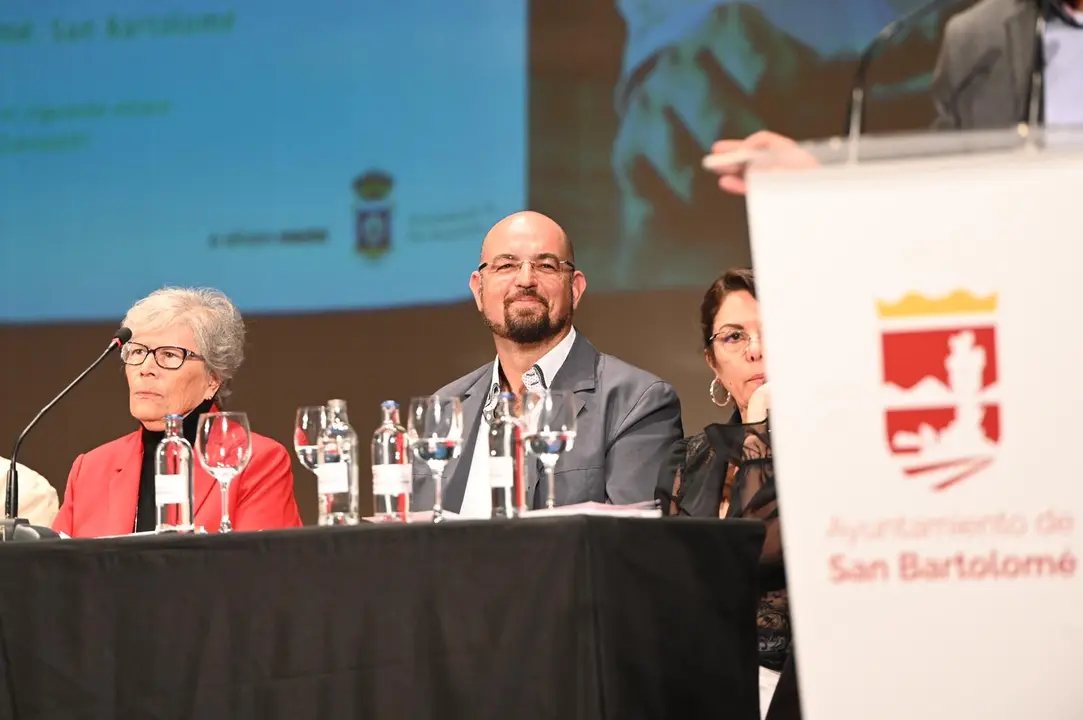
729, 465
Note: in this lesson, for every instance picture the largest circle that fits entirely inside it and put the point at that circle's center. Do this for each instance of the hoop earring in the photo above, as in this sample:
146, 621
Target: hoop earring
713, 389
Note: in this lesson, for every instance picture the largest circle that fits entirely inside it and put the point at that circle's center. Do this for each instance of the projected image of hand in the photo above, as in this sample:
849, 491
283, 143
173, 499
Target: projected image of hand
701, 83
696, 73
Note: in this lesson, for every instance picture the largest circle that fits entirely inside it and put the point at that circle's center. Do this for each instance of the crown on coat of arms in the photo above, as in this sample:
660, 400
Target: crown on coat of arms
958, 302
373, 185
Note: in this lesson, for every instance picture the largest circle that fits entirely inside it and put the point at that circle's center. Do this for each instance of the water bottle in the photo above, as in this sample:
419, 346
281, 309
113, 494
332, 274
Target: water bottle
174, 489
392, 476
336, 475
506, 459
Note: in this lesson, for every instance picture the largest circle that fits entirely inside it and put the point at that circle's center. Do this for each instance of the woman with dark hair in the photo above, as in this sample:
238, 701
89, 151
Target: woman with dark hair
726, 470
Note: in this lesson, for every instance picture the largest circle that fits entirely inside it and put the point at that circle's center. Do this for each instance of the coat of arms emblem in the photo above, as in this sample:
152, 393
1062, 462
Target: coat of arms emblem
372, 213
942, 412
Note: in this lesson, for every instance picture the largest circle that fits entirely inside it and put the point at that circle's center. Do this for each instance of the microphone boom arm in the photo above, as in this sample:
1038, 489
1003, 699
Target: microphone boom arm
11, 502
855, 115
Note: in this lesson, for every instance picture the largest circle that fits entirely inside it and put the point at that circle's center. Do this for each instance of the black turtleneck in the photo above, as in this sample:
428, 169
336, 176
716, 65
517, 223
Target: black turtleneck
146, 518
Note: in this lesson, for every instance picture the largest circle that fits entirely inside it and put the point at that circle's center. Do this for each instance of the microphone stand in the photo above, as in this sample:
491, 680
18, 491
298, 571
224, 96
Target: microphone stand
1036, 92
857, 104
855, 112
12, 527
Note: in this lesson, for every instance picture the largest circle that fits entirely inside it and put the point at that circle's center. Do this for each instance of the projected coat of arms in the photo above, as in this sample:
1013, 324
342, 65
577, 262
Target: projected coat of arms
372, 212
941, 409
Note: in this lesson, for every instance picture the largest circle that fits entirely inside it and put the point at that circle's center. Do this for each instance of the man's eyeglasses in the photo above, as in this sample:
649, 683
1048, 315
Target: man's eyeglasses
168, 357
507, 266
735, 342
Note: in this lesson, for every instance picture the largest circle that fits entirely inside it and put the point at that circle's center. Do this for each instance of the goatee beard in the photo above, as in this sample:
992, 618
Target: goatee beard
528, 329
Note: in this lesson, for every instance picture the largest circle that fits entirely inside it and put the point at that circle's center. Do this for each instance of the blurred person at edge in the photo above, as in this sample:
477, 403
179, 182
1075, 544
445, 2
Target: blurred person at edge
982, 79
37, 498
186, 347
526, 289
697, 70
727, 470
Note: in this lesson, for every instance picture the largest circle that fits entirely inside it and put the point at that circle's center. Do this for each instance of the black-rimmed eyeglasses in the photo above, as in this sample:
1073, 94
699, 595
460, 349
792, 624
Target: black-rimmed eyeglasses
168, 357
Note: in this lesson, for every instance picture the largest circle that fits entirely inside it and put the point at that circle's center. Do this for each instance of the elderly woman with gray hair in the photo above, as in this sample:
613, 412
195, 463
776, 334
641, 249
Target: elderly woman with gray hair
186, 346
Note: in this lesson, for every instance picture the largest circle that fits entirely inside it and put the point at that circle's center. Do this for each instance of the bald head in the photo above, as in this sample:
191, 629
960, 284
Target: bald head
527, 287
526, 234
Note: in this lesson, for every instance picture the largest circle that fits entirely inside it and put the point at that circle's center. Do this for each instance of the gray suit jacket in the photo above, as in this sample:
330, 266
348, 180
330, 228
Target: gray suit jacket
983, 73
626, 421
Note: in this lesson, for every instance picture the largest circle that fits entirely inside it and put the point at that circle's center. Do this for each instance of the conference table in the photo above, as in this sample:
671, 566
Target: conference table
563, 618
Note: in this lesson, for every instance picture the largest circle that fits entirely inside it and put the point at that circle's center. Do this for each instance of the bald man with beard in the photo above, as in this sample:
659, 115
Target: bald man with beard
527, 289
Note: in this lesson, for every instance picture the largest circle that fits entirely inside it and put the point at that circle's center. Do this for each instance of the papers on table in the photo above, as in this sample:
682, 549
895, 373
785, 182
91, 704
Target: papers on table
417, 517
646, 509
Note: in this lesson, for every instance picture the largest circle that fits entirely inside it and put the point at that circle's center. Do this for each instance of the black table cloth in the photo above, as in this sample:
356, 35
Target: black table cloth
563, 618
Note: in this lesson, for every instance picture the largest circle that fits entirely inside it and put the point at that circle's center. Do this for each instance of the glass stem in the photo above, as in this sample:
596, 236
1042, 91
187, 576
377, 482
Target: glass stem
550, 487
226, 525
438, 495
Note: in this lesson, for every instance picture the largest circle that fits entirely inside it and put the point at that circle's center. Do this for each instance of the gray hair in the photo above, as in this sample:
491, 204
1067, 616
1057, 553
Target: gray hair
209, 314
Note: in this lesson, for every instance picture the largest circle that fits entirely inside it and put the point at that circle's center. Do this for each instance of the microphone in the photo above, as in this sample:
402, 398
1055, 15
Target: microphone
16, 528
1036, 89
855, 113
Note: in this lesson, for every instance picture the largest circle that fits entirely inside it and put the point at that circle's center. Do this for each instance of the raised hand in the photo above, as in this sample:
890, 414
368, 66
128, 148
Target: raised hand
730, 158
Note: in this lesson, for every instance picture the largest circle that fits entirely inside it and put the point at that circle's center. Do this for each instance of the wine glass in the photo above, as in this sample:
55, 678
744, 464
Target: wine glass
435, 429
224, 447
311, 420
549, 430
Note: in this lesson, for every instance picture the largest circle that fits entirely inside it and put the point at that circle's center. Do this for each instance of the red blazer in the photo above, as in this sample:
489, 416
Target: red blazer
103, 490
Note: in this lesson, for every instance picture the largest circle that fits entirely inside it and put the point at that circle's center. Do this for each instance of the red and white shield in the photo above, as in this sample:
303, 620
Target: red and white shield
941, 407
